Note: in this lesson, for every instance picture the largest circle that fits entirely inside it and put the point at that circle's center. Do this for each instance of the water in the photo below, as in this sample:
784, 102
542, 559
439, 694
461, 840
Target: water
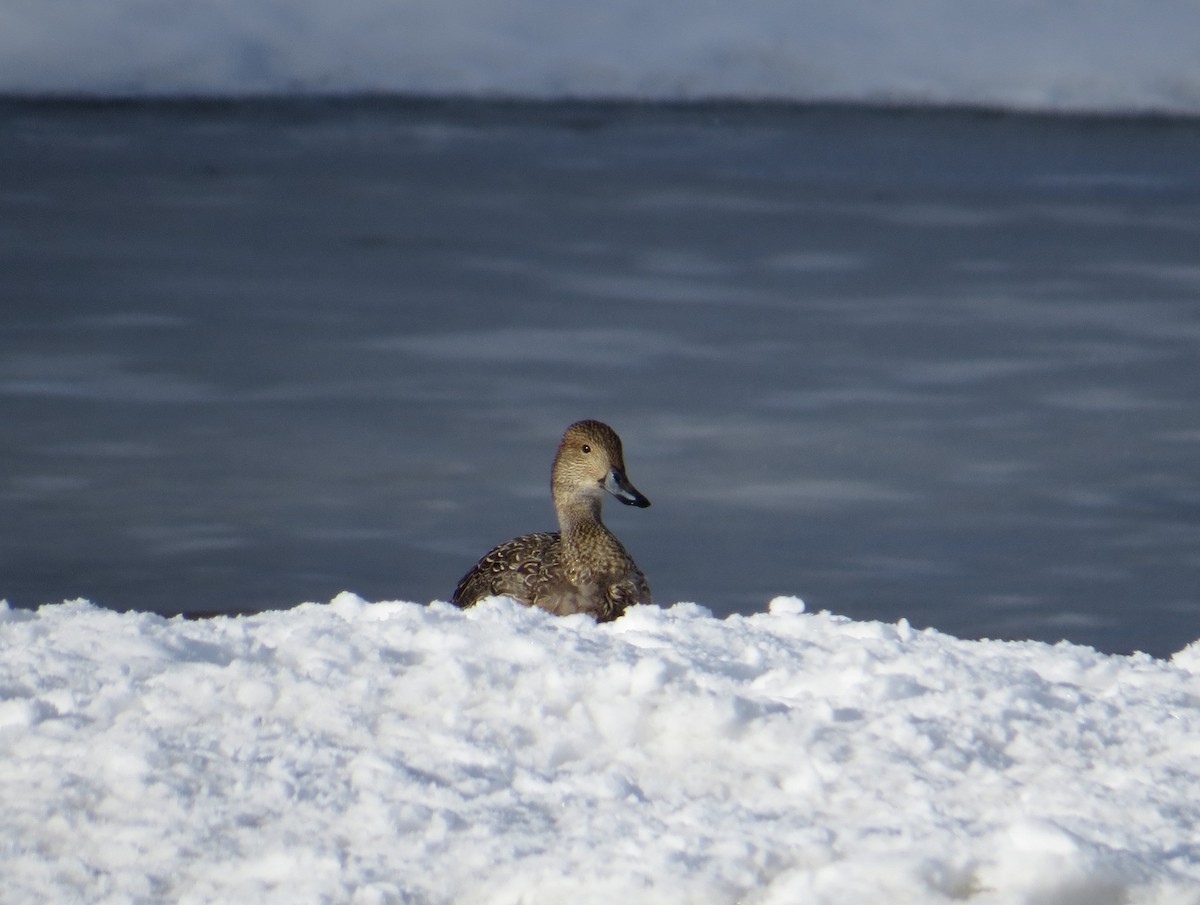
932, 365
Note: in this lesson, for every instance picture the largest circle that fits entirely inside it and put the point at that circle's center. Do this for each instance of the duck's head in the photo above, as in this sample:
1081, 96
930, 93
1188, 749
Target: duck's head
588, 463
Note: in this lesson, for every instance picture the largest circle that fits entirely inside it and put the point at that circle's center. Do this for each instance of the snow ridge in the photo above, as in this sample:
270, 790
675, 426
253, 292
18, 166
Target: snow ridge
399, 753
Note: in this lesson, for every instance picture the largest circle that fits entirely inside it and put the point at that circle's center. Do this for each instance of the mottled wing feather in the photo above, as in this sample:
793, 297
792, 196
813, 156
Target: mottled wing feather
516, 568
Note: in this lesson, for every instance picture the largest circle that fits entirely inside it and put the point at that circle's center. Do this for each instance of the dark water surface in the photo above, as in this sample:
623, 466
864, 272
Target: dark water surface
942, 366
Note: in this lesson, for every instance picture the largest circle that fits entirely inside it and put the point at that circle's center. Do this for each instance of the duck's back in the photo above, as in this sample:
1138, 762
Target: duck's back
518, 568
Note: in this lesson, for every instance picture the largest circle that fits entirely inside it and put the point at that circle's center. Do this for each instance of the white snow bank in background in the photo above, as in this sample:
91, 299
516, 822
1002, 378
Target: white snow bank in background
393, 752
1104, 55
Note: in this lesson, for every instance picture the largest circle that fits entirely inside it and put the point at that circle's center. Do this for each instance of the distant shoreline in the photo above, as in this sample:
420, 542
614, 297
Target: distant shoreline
488, 106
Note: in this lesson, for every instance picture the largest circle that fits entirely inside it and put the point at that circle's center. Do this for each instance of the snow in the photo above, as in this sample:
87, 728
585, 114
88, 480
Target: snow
400, 753
1107, 55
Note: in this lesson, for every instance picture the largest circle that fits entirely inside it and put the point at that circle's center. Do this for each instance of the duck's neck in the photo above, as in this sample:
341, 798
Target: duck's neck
589, 548
579, 519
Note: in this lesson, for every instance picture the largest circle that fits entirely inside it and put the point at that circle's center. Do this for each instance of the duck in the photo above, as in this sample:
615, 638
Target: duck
581, 567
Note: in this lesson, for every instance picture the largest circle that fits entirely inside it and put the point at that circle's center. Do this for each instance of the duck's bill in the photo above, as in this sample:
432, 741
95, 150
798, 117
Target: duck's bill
618, 485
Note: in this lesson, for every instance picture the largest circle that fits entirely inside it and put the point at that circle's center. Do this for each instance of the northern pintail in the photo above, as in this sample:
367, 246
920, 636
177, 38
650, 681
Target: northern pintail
582, 567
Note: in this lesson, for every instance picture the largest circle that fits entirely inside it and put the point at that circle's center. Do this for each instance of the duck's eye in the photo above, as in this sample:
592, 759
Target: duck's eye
586, 448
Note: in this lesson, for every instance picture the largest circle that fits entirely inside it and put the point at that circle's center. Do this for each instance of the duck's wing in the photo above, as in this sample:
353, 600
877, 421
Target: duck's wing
516, 568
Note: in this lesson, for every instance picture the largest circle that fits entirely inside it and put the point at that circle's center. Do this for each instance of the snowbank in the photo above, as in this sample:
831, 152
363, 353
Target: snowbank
1106, 55
394, 752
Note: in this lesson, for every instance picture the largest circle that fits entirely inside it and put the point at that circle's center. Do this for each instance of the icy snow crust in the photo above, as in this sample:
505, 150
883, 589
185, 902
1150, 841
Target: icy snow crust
394, 752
